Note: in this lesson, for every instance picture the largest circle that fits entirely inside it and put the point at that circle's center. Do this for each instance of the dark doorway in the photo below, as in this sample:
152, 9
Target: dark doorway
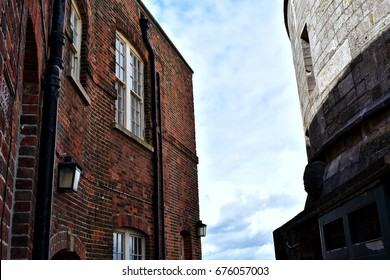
65, 255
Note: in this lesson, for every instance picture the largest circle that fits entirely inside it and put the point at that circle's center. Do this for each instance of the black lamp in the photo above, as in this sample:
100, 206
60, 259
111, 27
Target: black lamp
68, 175
201, 229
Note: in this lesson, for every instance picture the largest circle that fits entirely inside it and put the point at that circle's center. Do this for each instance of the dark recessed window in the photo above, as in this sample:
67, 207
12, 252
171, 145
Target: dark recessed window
364, 224
307, 59
334, 235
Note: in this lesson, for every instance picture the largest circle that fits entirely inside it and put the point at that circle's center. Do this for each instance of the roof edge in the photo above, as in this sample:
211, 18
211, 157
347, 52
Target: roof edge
155, 23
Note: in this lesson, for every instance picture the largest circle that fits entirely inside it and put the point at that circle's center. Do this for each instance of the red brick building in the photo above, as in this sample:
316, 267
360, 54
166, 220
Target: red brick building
100, 82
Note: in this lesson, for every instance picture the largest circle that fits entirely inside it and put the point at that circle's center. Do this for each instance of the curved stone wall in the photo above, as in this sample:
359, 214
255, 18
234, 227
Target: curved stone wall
341, 52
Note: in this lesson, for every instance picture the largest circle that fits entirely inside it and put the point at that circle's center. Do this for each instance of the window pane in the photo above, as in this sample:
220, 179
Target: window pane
117, 70
120, 104
136, 75
135, 253
133, 112
136, 115
120, 59
140, 248
75, 22
334, 235
364, 224
122, 48
134, 84
135, 248
75, 26
117, 246
131, 248
139, 77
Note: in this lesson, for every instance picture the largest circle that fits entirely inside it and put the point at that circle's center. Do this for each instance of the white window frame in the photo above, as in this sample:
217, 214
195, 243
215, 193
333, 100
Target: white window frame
75, 25
129, 246
129, 73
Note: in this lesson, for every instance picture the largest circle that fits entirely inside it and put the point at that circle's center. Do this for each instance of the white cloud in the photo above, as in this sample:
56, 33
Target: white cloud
248, 123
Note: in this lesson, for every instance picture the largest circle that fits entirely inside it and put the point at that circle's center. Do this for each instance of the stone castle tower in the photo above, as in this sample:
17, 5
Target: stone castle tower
341, 52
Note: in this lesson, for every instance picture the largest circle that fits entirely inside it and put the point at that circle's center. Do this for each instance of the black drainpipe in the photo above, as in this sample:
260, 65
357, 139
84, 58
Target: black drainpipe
47, 143
161, 167
145, 25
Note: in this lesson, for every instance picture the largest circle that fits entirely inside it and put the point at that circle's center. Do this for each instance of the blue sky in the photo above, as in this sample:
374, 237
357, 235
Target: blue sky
250, 140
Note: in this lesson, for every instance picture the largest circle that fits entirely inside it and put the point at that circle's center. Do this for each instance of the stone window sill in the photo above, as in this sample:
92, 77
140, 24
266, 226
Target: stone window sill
132, 136
80, 89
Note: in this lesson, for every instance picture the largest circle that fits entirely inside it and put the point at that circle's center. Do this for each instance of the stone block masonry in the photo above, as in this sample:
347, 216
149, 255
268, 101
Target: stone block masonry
346, 123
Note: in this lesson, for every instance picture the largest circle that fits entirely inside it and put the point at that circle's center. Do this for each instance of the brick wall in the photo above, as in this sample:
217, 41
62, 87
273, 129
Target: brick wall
23, 50
116, 188
9, 120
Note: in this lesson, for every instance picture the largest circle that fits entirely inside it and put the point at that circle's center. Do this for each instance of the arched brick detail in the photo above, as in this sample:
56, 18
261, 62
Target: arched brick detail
186, 228
124, 220
27, 159
34, 12
67, 241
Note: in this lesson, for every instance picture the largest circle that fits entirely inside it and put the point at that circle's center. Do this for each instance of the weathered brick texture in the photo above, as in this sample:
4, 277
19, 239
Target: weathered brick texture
23, 50
116, 189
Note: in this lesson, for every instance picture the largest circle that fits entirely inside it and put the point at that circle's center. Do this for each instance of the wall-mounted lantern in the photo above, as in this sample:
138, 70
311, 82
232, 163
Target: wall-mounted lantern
201, 229
68, 175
